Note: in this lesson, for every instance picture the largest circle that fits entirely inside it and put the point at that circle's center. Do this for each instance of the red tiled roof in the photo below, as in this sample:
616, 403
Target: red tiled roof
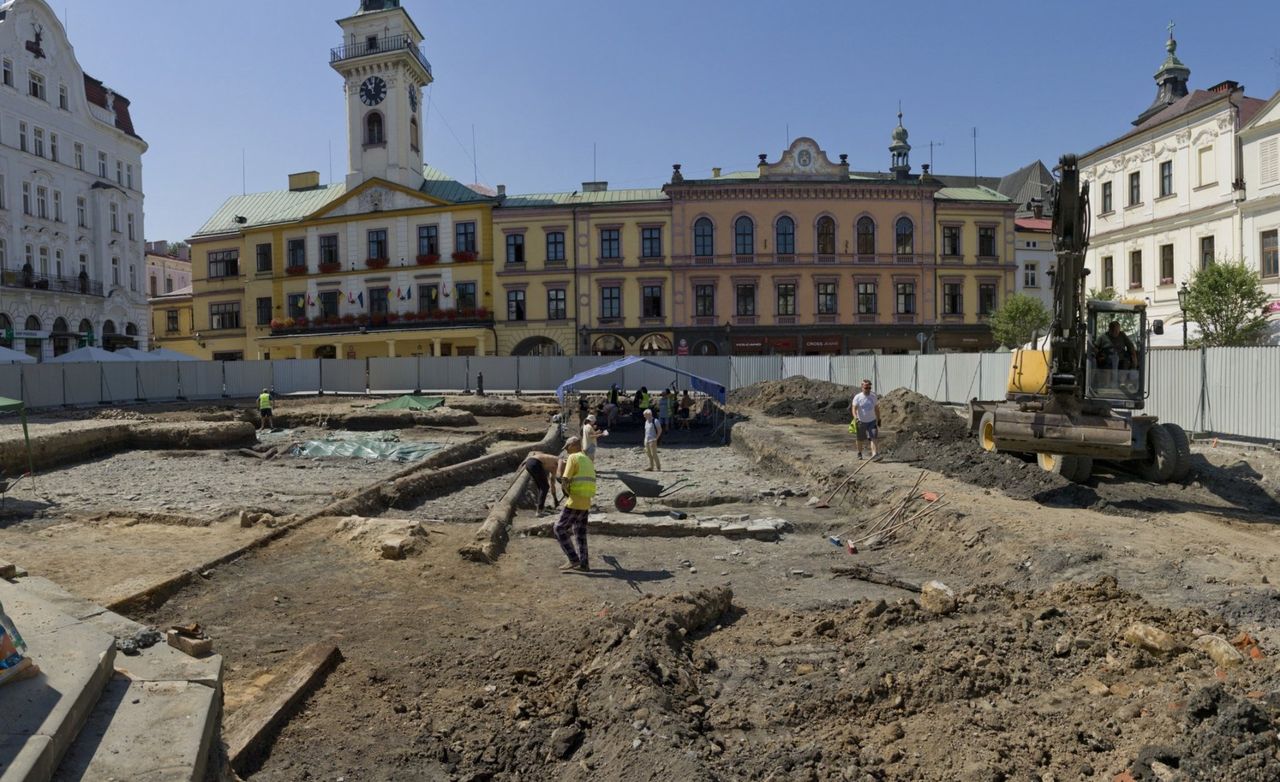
1034, 223
1184, 105
96, 93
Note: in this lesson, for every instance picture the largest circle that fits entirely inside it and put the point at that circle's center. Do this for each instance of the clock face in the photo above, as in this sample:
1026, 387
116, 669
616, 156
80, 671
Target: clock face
413, 98
373, 91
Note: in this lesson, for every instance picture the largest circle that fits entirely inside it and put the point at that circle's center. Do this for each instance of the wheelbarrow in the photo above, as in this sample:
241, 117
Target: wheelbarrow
640, 486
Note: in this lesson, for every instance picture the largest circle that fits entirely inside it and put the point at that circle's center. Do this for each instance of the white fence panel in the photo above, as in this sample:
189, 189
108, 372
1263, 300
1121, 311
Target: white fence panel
343, 376
246, 378
157, 381
200, 379
445, 373
931, 376
82, 384
1238, 381
583, 363
42, 385
714, 368
812, 367
499, 372
962, 377
749, 370
1173, 386
393, 375
119, 381
295, 376
895, 372
11, 381
994, 377
544, 373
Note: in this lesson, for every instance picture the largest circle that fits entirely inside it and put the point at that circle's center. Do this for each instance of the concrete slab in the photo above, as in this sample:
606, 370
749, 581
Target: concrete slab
44, 714
145, 732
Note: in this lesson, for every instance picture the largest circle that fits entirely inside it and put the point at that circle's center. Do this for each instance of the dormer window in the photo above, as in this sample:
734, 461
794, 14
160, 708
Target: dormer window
37, 86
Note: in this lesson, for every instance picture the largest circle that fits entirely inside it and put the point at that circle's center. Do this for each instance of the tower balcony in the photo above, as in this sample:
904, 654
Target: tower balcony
383, 45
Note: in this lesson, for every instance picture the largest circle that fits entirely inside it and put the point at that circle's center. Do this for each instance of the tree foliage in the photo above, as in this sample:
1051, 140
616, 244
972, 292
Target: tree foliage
1226, 301
1019, 319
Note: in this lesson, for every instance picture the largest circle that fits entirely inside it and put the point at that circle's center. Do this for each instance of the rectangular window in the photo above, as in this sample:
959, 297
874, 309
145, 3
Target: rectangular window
867, 298
429, 298
224, 315
746, 300
379, 301
8, 72
556, 305
3, 200
515, 305
1206, 251
26, 198
329, 248
651, 242
82, 218
22, 136
377, 243
515, 248
611, 301
464, 237
1270, 253
62, 96
1135, 269
171, 321
1107, 204
951, 240
1109, 272
786, 299
1166, 178
428, 240
102, 164
129, 224
987, 241
79, 152
42, 202
704, 301
295, 254
610, 243
906, 298
1029, 276
128, 176
827, 304
264, 310
703, 239
53, 147
952, 298
168, 284
36, 82
1166, 264
555, 246
466, 292
115, 218
1207, 164
264, 257
297, 305
38, 136
1135, 188
986, 298
224, 263
329, 303
119, 172
651, 301
57, 206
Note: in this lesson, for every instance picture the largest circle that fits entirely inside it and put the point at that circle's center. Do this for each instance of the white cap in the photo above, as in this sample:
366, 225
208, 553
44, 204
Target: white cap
591, 418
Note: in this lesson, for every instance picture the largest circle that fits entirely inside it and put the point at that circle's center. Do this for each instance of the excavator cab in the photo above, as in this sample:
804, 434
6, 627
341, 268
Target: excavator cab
1115, 367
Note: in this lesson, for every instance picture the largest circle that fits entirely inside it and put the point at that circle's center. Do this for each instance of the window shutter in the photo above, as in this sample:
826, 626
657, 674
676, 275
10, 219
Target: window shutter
1269, 152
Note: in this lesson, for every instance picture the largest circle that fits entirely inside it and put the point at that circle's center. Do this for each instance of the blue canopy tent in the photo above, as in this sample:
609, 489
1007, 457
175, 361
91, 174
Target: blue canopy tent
711, 388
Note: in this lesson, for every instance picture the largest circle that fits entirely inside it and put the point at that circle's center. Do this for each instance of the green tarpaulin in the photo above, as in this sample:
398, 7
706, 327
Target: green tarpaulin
410, 402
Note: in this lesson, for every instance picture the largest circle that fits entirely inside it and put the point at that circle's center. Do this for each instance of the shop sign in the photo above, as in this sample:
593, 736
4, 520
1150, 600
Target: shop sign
23, 334
822, 343
682, 349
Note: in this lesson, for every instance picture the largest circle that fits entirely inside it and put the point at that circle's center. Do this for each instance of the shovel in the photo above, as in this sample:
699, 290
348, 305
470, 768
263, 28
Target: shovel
826, 502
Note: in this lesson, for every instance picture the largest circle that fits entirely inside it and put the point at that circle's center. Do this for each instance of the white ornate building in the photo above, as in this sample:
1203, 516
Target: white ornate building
1164, 195
71, 221
1260, 209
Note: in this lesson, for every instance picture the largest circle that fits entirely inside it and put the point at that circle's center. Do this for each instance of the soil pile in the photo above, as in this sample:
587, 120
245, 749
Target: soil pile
907, 413
798, 397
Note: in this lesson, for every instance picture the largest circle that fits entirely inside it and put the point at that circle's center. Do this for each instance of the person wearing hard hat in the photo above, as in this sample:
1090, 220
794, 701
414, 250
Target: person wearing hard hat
264, 410
579, 483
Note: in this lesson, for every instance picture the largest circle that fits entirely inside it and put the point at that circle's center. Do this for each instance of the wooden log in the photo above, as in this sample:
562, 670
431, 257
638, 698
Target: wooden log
250, 729
873, 576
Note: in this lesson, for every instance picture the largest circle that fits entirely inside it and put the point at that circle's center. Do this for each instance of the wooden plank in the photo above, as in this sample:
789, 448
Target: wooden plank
249, 730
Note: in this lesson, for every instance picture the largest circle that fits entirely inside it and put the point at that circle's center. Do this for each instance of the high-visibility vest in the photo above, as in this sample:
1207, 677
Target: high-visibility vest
264, 401
644, 401
583, 482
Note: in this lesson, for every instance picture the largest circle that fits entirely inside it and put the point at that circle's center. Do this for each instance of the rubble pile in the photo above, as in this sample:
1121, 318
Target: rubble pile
797, 397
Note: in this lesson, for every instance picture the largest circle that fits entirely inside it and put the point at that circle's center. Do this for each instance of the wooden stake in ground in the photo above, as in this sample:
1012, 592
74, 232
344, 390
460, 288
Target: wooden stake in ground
845, 482
250, 730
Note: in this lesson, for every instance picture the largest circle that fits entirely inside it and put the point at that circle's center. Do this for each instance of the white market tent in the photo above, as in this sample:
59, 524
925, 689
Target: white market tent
160, 354
89, 354
8, 356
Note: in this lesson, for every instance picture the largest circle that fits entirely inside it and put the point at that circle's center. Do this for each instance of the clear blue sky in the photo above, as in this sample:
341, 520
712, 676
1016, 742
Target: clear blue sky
700, 82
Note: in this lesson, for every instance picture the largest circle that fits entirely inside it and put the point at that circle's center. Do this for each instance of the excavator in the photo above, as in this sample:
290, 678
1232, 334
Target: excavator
1074, 395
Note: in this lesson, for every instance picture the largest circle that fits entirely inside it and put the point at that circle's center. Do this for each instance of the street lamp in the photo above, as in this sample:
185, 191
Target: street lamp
1183, 292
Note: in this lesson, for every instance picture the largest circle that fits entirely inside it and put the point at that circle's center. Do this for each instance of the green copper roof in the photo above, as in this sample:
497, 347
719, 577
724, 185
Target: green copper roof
570, 199
444, 187
971, 194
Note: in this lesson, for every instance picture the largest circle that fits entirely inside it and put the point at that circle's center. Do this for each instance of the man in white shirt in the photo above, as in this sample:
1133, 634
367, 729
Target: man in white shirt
589, 437
652, 431
866, 411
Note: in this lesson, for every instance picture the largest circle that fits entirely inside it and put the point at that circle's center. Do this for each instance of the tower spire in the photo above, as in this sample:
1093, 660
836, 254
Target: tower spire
899, 149
1171, 80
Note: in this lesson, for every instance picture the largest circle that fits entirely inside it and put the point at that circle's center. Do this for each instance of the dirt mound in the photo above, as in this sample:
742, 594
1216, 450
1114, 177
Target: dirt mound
798, 397
908, 413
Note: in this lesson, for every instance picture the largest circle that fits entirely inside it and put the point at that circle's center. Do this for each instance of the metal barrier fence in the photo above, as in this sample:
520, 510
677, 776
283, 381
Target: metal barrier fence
1220, 390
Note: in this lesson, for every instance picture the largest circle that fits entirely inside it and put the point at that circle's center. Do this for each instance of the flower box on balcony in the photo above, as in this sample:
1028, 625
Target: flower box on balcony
379, 319
1166, 280
428, 259
276, 324
348, 319
362, 319
377, 263
1133, 286
393, 317
462, 256
299, 322
295, 270
328, 267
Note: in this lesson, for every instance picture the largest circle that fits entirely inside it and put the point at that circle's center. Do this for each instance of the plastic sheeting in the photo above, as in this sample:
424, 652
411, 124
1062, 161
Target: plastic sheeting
382, 446
409, 402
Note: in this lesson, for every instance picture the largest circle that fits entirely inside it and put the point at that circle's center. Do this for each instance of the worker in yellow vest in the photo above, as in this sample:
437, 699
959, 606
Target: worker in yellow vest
579, 483
264, 409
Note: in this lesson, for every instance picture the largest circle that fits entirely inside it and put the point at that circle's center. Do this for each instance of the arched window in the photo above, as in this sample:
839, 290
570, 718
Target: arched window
905, 236
538, 346
704, 238
108, 327
866, 236
6, 327
744, 236
60, 326
61, 342
608, 345
33, 323
131, 329
655, 345
85, 326
413, 133
373, 129
784, 242
826, 236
